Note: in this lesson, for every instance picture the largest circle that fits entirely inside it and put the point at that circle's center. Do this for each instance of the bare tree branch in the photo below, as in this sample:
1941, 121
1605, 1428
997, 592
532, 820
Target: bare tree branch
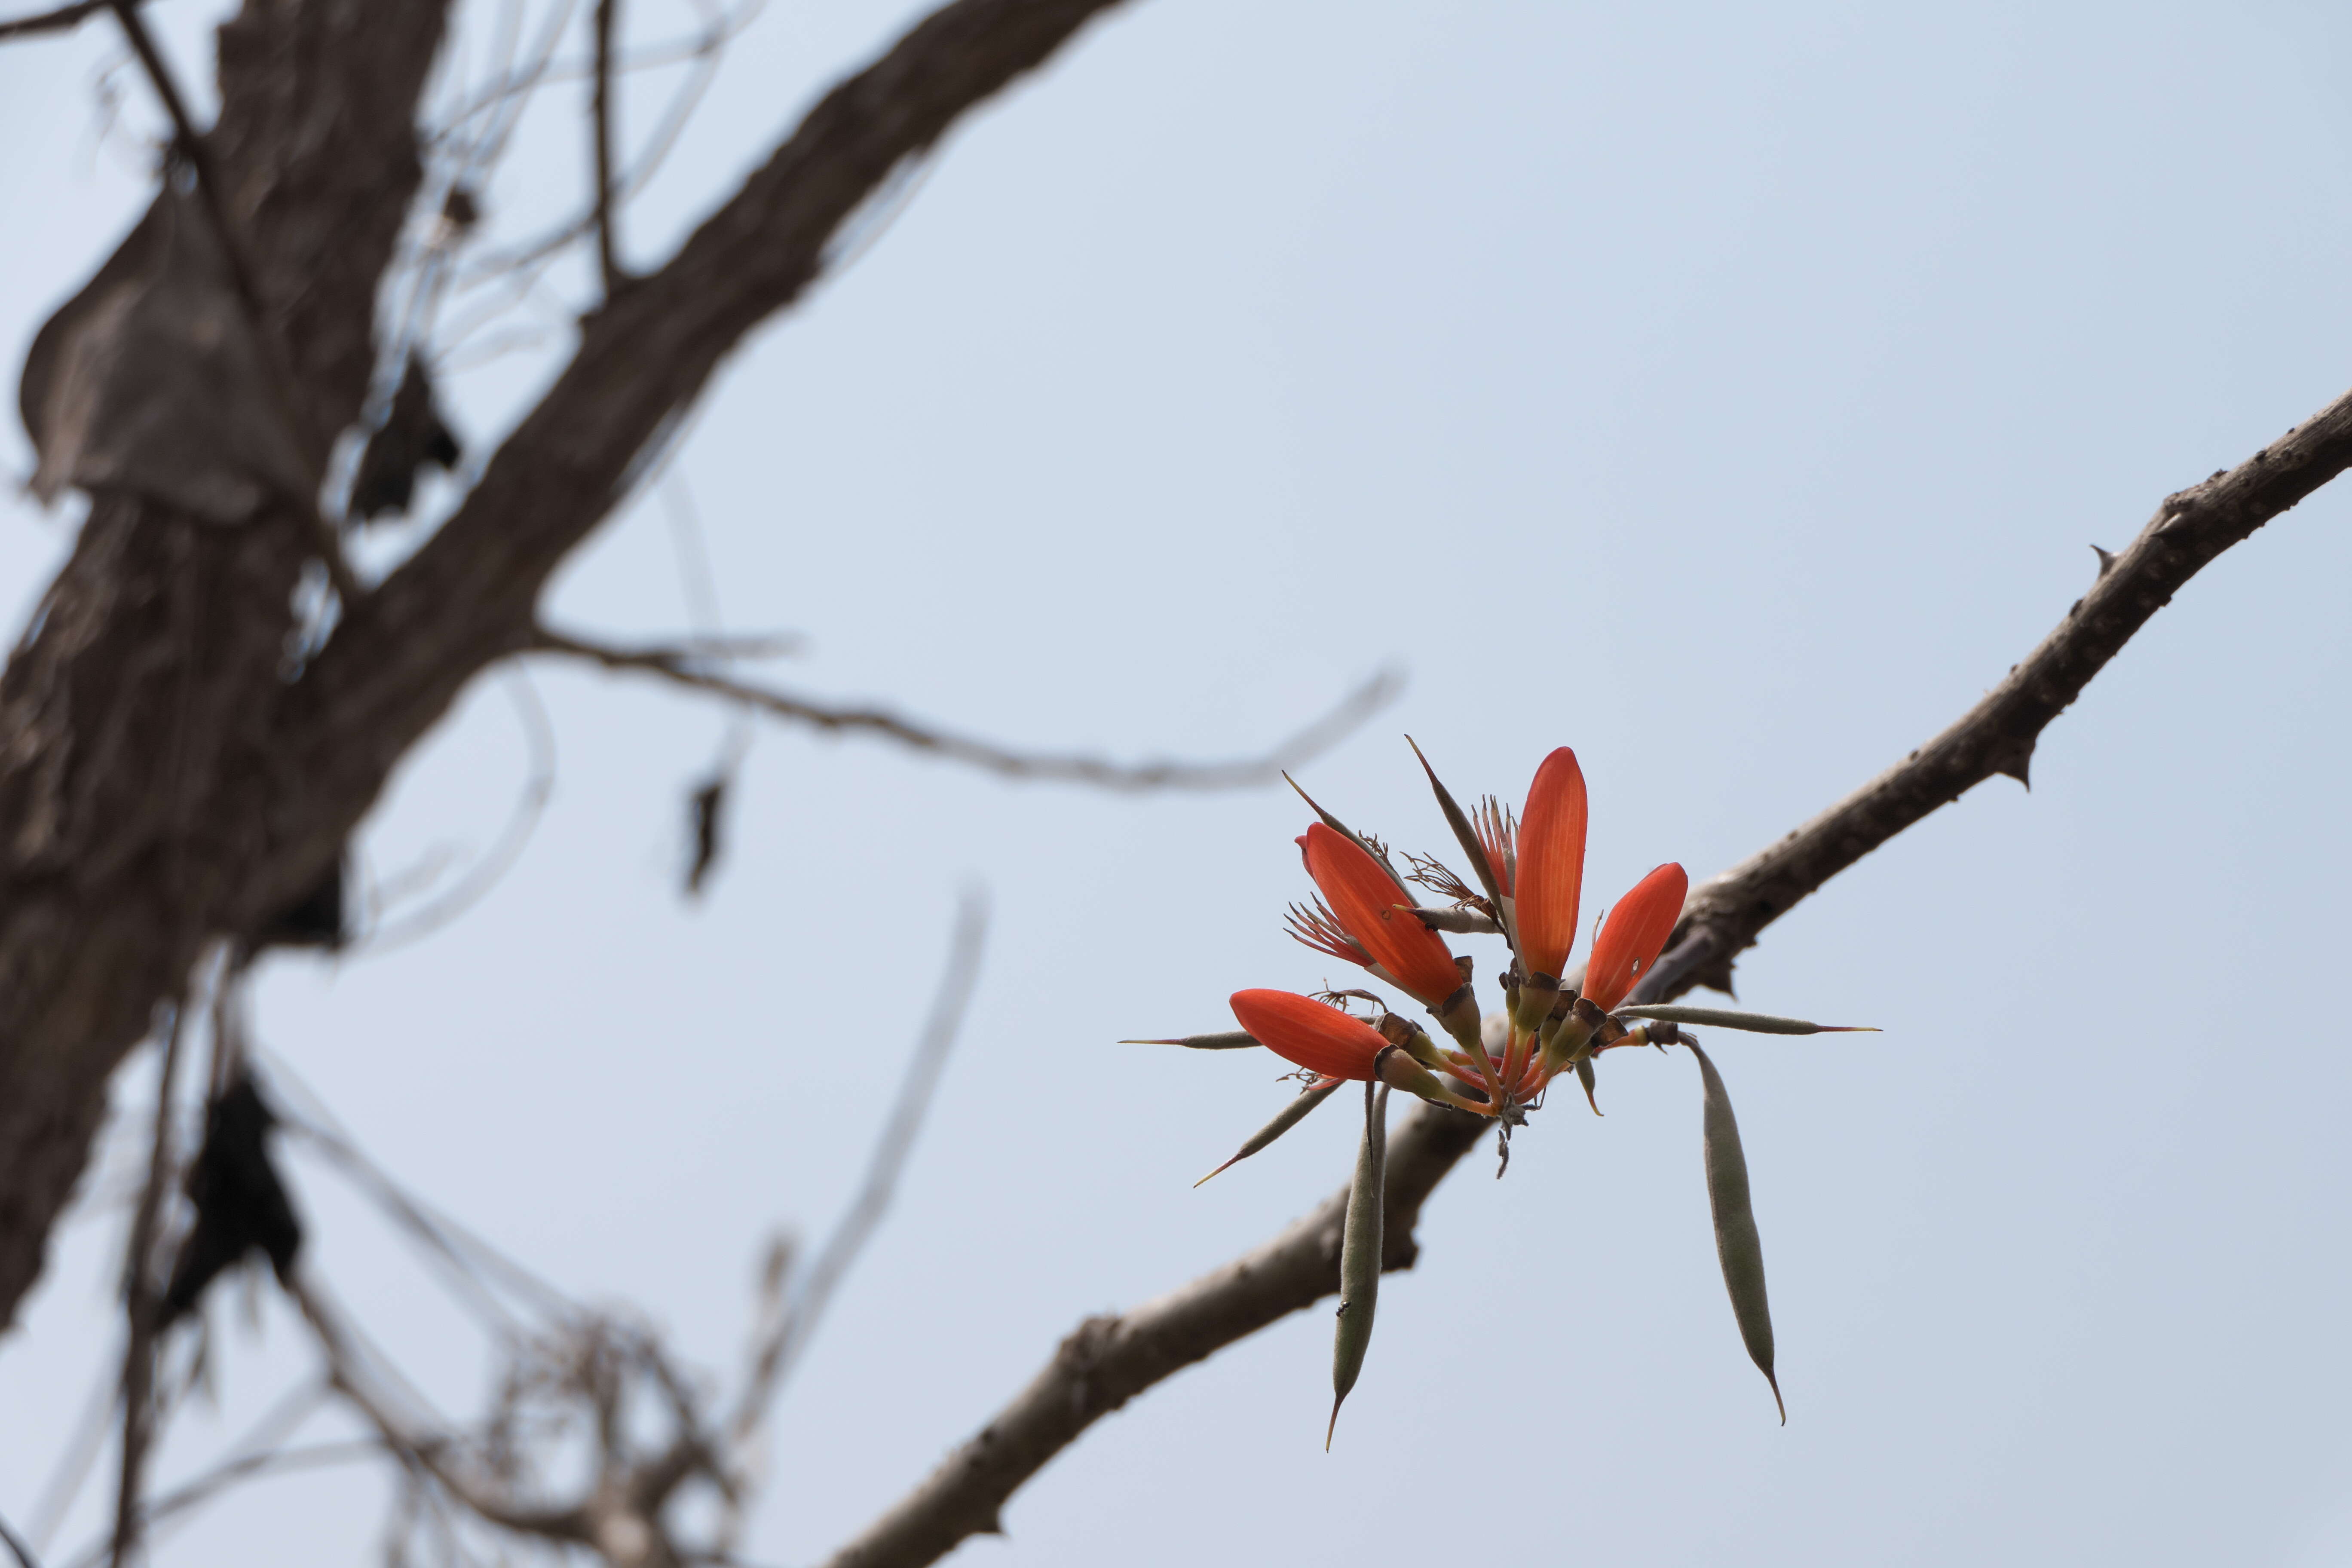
1110, 1359
2189, 530
317, 149
601, 112
63, 19
680, 664
467, 596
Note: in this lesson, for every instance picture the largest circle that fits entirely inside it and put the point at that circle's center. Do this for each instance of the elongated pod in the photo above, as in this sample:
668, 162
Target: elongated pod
1732, 1018
1737, 1246
1226, 1040
1290, 1116
1360, 1254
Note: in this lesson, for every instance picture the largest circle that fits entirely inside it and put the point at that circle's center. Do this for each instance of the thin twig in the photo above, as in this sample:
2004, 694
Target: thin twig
466, 1255
569, 1526
1109, 1359
63, 19
16, 1547
705, 52
601, 114
138, 1299
74, 1457
279, 365
797, 1324
673, 664
251, 1455
538, 736
247, 1468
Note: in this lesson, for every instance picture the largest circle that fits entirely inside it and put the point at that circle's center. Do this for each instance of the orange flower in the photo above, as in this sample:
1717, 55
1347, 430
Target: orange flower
1318, 1038
1550, 865
1634, 934
1364, 900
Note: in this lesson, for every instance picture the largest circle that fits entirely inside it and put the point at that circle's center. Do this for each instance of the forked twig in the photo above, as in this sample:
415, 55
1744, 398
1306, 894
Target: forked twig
675, 664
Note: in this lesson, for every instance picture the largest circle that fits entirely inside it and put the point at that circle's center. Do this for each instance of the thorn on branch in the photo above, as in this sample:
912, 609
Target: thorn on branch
2013, 758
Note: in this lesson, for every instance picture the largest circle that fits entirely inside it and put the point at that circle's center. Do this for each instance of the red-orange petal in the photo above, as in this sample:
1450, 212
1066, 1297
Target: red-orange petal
1634, 934
1364, 899
1318, 1038
1551, 864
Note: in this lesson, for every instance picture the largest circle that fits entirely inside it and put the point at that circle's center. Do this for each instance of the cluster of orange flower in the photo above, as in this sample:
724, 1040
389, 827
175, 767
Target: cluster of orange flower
1530, 872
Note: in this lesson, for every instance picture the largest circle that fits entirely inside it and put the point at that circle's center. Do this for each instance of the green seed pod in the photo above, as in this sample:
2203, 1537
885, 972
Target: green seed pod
1229, 1040
1292, 1115
1737, 1246
1731, 1018
1359, 1255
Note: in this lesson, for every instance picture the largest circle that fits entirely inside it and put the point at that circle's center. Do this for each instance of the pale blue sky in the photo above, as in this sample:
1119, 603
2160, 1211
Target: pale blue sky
1728, 393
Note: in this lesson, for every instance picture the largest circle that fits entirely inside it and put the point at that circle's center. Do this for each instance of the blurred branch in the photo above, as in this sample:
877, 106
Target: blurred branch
141, 1307
601, 112
792, 1328
429, 1454
589, 1365
247, 1468
1111, 1358
16, 1547
467, 595
704, 51
682, 664
63, 19
539, 787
